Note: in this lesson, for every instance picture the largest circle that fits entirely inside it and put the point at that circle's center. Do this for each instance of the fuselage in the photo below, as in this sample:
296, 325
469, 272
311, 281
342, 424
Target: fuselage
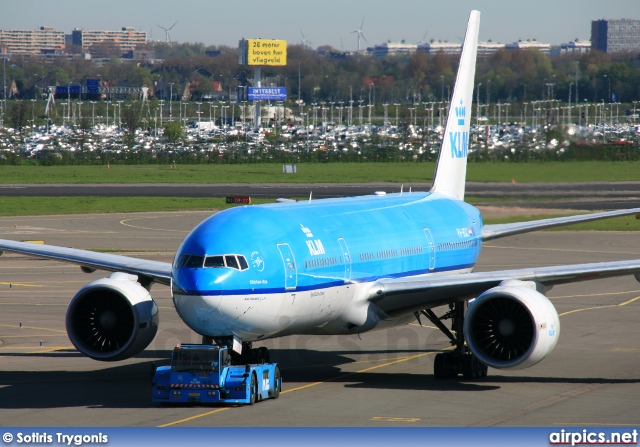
263, 271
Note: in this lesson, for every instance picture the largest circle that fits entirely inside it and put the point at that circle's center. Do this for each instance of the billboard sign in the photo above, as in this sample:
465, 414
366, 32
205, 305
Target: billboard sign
263, 52
267, 93
68, 89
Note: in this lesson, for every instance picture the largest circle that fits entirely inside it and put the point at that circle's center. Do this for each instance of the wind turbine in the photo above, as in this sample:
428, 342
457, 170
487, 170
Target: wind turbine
166, 31
360, 34
305, 42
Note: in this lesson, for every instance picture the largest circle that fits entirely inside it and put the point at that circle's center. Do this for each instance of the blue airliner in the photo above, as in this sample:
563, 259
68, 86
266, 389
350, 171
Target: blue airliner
340, 266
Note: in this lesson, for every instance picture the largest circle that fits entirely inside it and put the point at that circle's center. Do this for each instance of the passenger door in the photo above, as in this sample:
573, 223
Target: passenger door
347, 259
431, 249
290, 269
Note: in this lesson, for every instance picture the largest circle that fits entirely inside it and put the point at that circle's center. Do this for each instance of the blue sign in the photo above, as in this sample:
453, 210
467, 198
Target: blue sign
267, 93
68, 89
93, 86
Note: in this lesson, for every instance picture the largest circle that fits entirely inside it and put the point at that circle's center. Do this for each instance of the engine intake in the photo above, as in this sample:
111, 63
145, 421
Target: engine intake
112, 318
512, 326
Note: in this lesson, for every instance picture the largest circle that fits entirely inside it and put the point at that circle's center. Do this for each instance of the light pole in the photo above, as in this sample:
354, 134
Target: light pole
199, 112
569, 111
609, 92
119, 113
170, 100
93, 113
478, 102
397, 122
33, 117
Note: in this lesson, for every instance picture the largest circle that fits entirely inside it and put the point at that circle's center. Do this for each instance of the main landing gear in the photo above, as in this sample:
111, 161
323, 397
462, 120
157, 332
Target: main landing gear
460, 360
249, 354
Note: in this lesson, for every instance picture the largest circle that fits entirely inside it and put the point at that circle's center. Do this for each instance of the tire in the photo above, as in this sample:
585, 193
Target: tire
277, 383
440, 367
253, 390
468, 367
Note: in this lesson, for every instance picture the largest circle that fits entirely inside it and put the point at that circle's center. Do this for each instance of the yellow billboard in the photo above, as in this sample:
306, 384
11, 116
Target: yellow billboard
266, 52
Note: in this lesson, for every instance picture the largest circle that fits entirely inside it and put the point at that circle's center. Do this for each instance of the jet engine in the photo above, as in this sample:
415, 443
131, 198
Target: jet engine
112, 318
511, 326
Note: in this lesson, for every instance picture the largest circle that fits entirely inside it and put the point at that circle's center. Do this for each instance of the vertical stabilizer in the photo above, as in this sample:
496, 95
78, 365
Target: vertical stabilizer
452, 163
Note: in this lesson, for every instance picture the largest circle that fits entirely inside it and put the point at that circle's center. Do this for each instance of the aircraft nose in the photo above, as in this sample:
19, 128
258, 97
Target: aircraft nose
196, 296
200, 313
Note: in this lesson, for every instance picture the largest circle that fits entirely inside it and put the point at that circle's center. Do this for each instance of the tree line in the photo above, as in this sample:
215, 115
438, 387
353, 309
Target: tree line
328, 75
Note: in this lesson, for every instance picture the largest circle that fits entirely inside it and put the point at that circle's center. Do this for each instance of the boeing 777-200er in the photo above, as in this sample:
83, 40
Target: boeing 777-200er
340, 266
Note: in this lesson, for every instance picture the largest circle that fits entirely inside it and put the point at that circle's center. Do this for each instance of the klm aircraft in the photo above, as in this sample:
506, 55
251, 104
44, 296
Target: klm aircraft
340, 266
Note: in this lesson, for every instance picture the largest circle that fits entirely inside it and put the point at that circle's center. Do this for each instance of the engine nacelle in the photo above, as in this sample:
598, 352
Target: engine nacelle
112, 318
512, 326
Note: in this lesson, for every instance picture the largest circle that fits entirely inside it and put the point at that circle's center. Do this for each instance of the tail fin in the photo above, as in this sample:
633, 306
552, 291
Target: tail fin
452, 163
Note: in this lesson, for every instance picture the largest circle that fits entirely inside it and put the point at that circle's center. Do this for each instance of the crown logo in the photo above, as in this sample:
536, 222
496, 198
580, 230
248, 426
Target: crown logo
306, 231
461, 112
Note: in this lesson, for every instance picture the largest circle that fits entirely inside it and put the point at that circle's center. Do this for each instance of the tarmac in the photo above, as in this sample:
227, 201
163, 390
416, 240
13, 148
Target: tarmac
583, 196
379, 379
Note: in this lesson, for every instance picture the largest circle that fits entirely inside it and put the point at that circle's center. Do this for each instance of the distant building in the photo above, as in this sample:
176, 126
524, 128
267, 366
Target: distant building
393, 48
42, 41
489, 48
436, 46
140, 55
615, 35
577, 46
529, 44
127, 38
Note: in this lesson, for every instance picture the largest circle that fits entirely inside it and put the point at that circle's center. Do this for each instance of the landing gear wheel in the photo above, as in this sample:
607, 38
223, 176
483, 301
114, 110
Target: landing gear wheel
472, 368
277, 385
468, 367
253, 390
445, 366
440, 366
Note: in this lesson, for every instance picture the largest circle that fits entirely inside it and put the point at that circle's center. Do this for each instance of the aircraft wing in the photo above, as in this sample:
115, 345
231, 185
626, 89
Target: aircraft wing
401, 296
154, 271
500, 230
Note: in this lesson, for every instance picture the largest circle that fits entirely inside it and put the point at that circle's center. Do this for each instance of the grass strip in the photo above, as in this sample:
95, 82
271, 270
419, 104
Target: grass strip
407, 173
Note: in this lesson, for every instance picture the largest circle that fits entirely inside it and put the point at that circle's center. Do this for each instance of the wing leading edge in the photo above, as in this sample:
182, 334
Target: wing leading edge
401, 296
501, 230
154, 271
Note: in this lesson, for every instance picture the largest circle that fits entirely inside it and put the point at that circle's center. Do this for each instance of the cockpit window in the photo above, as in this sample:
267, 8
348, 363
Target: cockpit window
236, 262
232, 262
194, 261
191, 261
214, 261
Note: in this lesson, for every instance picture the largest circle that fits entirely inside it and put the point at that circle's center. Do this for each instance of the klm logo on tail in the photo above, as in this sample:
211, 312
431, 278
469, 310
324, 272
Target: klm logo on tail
461, 113
459, 140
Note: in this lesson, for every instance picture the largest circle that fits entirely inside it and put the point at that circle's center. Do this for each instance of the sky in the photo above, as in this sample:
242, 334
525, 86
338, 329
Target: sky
323, 22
